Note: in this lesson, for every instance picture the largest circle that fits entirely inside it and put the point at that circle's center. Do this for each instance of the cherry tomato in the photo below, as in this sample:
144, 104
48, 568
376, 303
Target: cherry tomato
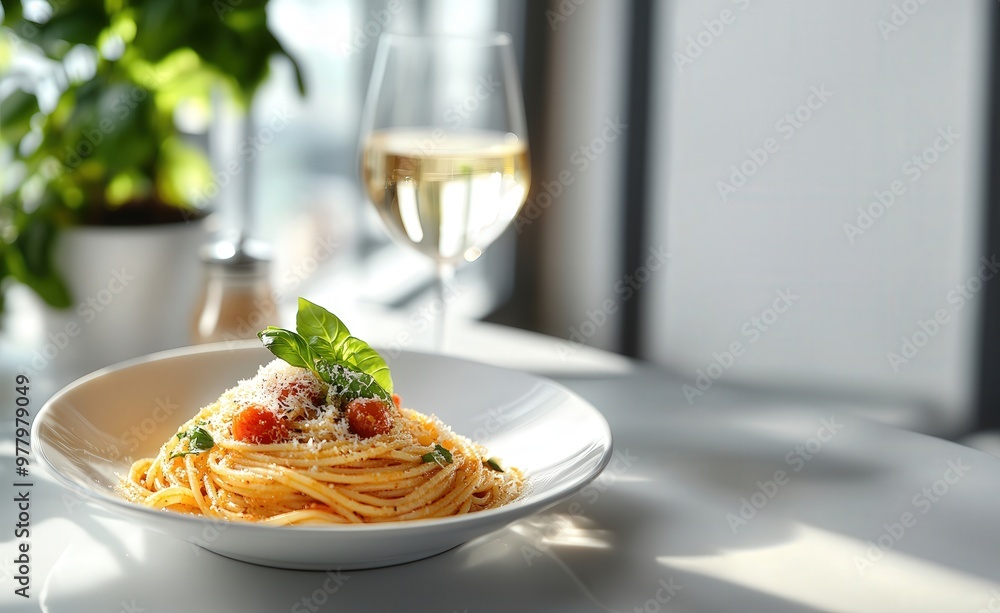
260, 426
368, 417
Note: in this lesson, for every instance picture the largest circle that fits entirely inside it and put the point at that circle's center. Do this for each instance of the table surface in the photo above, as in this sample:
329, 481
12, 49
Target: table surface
736, 503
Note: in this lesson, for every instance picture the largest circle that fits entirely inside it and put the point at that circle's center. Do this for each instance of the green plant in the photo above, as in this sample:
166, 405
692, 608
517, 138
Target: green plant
104, 141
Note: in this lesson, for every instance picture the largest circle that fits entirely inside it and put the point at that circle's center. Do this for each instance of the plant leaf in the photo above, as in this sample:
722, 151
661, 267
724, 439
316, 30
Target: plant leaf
78, 25
440, 455
323, 344
355, 354
368, 361
16, 111
29, 260
199, 440
313, 320
288, 346
322, 327
346, 383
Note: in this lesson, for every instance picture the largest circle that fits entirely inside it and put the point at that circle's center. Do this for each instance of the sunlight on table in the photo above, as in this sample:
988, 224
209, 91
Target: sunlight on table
820, 569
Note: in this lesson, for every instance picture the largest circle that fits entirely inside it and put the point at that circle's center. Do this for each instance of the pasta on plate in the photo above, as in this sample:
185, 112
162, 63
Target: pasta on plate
316, 438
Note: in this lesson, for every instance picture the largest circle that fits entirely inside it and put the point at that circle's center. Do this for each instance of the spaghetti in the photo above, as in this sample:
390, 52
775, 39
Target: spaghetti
280, 449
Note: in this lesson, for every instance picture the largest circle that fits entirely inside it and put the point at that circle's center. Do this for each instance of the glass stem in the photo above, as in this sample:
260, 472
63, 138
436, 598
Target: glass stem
445, 276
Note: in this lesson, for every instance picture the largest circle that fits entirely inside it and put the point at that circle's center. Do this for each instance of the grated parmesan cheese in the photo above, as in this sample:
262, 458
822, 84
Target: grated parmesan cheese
315, 427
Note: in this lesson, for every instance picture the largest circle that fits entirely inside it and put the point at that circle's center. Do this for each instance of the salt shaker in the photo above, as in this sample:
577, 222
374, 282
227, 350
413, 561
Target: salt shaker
236, 300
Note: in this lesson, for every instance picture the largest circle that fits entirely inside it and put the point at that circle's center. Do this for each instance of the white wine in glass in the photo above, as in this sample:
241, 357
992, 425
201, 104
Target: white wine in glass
452, 201
444, 152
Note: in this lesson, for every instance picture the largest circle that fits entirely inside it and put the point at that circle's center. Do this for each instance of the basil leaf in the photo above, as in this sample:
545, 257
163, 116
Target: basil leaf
325, 352
368, 361
494, 463
439, 455
199, 440
288, 346
323, 344
313, 320
355, 354
346, 383
326, 358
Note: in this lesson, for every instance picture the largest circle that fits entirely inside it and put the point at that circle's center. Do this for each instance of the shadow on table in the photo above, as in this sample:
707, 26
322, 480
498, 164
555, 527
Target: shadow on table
157, 573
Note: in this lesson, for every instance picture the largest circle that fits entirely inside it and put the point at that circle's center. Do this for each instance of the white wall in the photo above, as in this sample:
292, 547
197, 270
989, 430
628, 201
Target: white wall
892, 91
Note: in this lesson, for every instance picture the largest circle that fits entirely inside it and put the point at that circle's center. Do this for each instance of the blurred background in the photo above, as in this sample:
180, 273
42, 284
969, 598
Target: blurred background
793, 200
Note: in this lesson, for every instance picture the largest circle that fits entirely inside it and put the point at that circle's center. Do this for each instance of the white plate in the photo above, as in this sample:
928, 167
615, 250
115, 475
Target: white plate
89, 433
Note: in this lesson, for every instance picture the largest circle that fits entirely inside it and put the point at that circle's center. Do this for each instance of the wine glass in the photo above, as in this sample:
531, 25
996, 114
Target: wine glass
444, 150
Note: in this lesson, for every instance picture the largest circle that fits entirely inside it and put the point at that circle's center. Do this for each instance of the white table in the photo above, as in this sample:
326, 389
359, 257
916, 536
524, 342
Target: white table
854, 516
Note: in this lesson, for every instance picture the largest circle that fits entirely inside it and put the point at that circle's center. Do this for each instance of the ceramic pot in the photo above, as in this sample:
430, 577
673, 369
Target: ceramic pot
133, 290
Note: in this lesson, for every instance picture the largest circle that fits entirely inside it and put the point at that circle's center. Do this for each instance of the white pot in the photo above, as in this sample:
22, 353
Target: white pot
133, 291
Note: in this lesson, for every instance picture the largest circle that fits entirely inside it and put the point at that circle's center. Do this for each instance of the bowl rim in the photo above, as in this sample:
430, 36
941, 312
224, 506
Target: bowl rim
530, 503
